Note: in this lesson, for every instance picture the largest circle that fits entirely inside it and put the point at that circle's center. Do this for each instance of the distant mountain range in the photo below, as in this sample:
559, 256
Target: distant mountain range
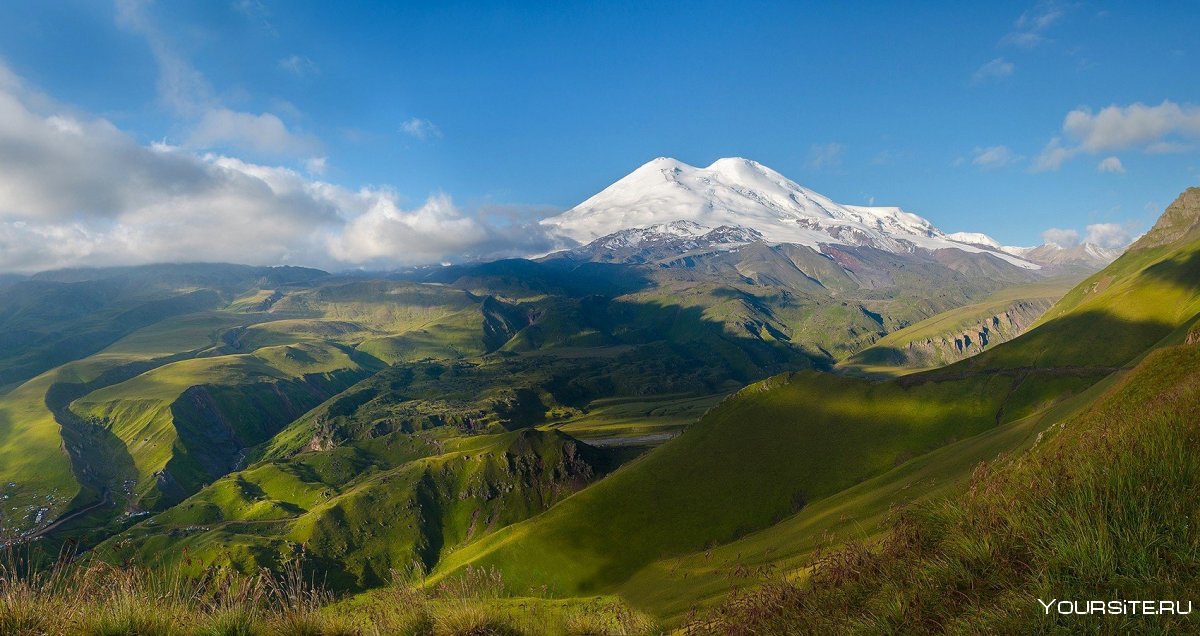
1085, 254
668, 204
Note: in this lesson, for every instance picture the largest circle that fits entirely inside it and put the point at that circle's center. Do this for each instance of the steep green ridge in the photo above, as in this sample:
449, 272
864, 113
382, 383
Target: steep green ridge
795, 440
36, 471
184, 423
139, 437
397, 503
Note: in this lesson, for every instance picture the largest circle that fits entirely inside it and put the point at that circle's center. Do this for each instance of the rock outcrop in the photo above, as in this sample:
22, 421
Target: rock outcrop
974, 338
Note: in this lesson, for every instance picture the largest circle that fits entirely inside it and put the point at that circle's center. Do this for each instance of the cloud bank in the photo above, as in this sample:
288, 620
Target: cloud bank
1110, 235
75, 190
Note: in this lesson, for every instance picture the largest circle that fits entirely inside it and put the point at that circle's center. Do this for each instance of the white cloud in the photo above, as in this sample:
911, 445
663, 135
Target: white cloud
1136, 125
264, 133
374, 235
257, 12
1060, 237
1109, 235
1111, 164
1053, 156
995, 69
422, 129
1032, 24
187, 93
316, 166
76, 190
1041, 16
1168, 127
1022, 39
180, 87
298, 65
994, 157
822, 156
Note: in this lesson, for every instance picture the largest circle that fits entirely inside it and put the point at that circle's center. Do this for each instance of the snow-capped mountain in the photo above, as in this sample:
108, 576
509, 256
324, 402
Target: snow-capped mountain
1087, 255
975, 238
668, 239
740, 193
685, 234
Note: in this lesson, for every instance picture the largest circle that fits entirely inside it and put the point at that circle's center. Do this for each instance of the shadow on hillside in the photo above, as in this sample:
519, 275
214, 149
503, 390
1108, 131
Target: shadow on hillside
26, 349
555, 276
1093, 338
1183, 271
100, 460
817, 434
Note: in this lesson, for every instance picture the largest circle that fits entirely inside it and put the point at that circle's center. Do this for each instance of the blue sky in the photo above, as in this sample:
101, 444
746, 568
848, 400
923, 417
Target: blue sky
956, 111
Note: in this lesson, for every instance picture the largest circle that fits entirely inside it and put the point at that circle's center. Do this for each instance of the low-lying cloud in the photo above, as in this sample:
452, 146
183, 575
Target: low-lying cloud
1109, 235
76, 190
1061, 237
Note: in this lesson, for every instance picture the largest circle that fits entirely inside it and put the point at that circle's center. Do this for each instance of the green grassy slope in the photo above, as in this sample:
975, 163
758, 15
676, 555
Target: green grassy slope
674, 587
175, 403
360, 512
32, 454
56, 317
1102, 507
796, 440
754, 460
182, 424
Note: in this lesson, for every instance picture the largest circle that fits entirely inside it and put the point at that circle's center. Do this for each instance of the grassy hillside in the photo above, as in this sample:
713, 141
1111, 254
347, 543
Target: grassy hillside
183, 424
701, 325
799, 440
56, 317
675, 587
36, 471
397, 503
1100, 508
759, 457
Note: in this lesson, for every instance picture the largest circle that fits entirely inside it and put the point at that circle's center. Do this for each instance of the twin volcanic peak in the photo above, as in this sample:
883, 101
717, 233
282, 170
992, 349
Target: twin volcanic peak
668, 198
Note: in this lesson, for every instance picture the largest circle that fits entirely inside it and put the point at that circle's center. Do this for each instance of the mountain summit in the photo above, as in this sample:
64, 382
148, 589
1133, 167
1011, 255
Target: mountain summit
736, 192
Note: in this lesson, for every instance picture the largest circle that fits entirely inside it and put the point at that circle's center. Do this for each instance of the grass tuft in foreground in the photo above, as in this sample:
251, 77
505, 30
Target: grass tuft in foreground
97, 599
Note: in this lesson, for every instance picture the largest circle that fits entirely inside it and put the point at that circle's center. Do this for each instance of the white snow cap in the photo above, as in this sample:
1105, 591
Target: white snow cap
741, 192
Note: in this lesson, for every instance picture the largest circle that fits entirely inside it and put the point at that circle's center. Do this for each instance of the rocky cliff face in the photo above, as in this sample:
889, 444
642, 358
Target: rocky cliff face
1180, 221
974, 338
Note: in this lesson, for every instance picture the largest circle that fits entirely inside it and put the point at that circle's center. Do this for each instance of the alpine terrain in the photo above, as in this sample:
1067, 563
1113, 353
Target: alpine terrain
726, 403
